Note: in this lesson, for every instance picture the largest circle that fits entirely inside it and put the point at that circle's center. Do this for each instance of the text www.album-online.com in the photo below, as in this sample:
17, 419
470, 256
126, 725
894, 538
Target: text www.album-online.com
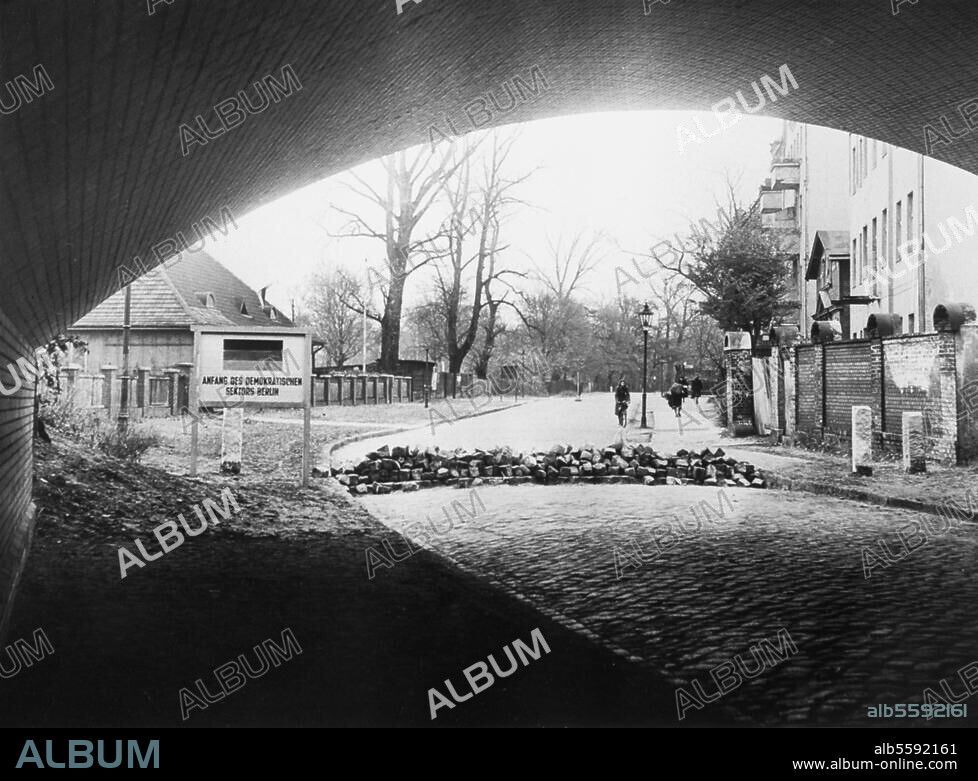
890, 763
868, 764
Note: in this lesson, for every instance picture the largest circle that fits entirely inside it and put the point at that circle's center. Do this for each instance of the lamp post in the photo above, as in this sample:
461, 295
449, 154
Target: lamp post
645, 316
427, 377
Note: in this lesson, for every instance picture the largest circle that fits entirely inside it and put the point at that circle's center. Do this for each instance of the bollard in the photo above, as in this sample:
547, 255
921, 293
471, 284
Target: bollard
231, 436
862, 440
914, 460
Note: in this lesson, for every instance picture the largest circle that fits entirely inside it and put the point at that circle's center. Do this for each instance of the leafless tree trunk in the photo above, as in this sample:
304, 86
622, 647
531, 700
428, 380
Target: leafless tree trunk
552, 316
414, 180
329, 313
476, 215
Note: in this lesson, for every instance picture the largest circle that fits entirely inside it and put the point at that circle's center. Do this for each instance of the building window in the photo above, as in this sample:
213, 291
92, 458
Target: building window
865, 254
207, 300
873, 257
885, 240
885, 146
911, 325
853, 171
242, 306
910, 220
898, 230
874, 153
855, 262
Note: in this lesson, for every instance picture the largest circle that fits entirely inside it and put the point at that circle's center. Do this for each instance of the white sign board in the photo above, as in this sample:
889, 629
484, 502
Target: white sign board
253, 368
241, 367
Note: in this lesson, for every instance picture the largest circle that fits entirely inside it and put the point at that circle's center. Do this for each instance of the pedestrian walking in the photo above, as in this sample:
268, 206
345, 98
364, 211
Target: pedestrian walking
622, 400
677, 391
696, 389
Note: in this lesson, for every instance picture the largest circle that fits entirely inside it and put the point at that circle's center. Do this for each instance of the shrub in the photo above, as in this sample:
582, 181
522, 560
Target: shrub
60, 414
87, 427
130, 444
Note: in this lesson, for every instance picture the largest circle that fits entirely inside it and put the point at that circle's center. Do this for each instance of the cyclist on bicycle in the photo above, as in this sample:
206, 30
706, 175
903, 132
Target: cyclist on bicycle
622, 398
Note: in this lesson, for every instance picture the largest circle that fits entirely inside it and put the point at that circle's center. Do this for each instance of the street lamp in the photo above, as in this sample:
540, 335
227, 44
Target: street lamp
646, 316
427, 378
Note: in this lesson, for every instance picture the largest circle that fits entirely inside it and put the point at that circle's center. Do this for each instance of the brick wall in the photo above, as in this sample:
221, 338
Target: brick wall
913, 381
808, 383
848, 383
16, 465
966, 368
916, 373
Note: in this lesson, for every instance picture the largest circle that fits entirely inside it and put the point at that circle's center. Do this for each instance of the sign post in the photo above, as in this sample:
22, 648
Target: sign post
245, 367
194, 403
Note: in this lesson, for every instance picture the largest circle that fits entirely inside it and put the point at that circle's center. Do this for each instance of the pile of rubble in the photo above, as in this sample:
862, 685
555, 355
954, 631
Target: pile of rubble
409, 469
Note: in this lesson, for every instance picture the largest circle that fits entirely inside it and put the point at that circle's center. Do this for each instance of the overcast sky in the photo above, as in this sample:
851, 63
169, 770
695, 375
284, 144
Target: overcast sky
621, 173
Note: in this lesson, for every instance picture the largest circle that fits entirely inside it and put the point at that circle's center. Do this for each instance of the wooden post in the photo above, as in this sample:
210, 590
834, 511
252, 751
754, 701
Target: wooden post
194, 405
307, 421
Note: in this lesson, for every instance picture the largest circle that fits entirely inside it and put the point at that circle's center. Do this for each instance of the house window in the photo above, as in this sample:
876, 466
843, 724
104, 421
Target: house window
898, 230
852, 171
874, 153
855, 261
911, 325
207, 300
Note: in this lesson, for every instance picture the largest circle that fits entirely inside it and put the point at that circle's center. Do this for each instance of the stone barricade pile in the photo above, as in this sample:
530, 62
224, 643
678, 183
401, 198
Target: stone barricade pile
410, 469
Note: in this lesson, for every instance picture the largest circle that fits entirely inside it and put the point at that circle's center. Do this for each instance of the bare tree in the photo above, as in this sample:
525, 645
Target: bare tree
329, 313
466, 271
675, 300
414, 180
552, 315
423, 328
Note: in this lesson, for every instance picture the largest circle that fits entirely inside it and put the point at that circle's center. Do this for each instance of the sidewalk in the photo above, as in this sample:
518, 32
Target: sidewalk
801, 470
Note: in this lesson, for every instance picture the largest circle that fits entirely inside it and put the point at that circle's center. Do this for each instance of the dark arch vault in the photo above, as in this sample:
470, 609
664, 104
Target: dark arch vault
94, 94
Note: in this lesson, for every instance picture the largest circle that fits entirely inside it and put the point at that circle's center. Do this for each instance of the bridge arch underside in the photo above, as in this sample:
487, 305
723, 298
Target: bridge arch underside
102, 155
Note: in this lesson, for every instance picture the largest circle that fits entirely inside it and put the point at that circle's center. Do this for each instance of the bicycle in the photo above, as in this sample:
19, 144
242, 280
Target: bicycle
621, 410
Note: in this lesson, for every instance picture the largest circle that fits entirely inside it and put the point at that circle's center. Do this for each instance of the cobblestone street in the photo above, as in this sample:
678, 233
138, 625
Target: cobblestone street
775, 561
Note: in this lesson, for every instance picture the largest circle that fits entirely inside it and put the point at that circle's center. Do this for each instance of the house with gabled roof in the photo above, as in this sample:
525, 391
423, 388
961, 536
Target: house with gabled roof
165, 304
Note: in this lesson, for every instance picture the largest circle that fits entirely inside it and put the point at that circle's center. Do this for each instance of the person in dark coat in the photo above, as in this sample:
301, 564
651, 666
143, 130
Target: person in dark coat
696, 389
622, 399
677, 391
